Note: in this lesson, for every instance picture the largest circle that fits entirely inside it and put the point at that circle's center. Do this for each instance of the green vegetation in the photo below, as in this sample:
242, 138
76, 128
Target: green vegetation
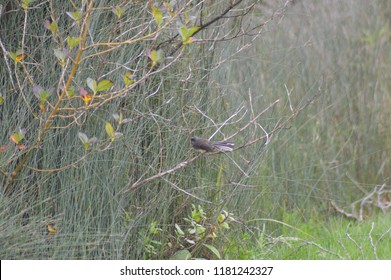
98, 104
336, 238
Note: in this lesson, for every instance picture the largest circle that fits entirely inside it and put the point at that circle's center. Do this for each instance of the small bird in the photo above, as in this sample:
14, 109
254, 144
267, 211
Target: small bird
207, 146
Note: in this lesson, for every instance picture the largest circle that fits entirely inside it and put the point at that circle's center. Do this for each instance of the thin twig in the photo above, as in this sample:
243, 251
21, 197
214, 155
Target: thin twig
355, 243
186, 192
160, 175
371, 240
382, 236
346, 214
225, 122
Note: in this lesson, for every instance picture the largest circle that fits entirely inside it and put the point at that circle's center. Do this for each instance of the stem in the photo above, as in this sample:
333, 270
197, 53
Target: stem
53, 113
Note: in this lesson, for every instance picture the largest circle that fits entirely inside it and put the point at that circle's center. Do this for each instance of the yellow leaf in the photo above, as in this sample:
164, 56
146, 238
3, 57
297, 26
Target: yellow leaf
51, 229
13, 138
42, 107
20, 57
87, 98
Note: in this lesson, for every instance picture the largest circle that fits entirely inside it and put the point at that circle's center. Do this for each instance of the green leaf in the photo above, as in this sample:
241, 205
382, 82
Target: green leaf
51, 25
192, 30
224, 225
104, 85
127, 217
44, 96
156, 56
153, 229
61, 54
157, 15
179, 231
40, 93
76, 15
91, 83
18, 136
26, 4
128, 78
73, 42
181, 255
84, 139
109, 130
200, 230
1, 99
71, 92
118, 11
213, 250
221, 218
118, 117
13, 55
197, 215
186, 33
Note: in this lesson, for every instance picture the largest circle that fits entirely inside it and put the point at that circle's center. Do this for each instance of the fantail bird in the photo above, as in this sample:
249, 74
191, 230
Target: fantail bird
207, 146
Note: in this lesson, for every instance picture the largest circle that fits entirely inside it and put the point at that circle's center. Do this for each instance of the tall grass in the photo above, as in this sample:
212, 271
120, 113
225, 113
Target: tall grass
333, 59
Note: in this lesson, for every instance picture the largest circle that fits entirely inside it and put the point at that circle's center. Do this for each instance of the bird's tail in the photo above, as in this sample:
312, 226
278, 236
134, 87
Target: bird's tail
224, 146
